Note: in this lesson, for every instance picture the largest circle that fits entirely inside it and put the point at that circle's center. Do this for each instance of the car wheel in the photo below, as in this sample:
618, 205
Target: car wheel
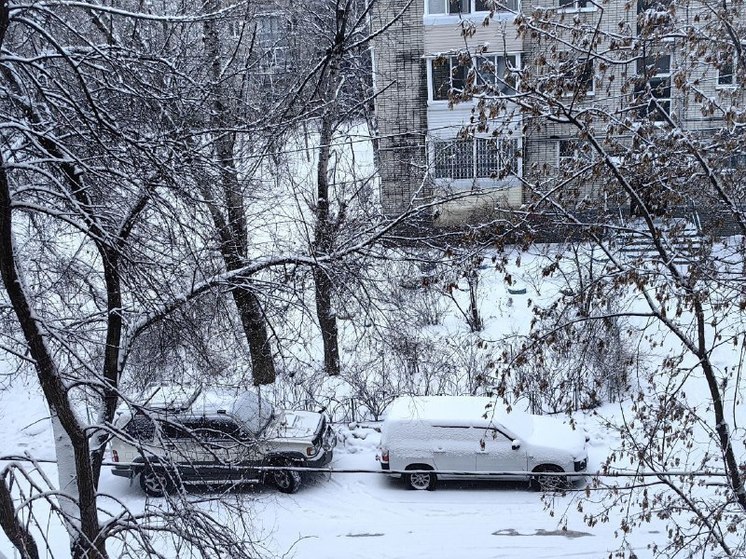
156, 482
421, 481
287, 481
546, 480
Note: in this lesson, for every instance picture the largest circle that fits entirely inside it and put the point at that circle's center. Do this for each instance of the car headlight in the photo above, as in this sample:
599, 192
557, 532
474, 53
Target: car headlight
581, 465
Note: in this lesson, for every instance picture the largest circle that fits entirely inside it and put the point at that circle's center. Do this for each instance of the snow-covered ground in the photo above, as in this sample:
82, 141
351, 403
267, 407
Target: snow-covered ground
369, 515
363, 515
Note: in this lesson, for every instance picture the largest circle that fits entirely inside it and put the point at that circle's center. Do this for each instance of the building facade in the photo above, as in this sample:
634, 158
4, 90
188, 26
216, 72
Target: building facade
493, 104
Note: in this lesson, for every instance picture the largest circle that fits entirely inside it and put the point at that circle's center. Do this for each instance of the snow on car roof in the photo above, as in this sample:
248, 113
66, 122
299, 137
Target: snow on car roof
203, 401
474, 411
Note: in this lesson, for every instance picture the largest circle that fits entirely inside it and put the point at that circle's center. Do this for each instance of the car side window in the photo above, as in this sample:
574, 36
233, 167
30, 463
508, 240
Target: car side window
454, 432
173, 430
491, 437
215, 429
497, 435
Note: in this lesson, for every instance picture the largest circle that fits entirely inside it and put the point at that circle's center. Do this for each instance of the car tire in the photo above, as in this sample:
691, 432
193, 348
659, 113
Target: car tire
421, 481
546, 480
157, 482
287, 481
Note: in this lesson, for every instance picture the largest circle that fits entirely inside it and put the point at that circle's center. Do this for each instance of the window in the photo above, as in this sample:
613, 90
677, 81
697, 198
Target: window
579, 77
726, 74
655, 74
454, 432
448, 73
272, 31
653, 15
454, 160
477, 158
217, 428
494, 74
572, 5
570, 151
455, 7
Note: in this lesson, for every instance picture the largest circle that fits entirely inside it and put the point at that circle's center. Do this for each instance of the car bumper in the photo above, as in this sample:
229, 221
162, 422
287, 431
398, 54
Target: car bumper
123, 471
322, 460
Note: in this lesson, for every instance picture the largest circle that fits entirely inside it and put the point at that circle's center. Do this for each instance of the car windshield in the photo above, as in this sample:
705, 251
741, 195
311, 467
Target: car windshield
254, 411
520, 424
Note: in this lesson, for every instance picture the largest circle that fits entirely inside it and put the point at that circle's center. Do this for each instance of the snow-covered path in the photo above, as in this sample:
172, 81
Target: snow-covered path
369, 516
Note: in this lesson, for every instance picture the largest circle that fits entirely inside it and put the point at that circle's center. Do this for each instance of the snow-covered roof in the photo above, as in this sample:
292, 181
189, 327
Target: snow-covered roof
247, 404
474, 411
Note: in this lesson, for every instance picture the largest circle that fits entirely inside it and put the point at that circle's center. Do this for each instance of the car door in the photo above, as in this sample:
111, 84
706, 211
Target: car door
181, 449
496, 453
218, 449
453, 450
245, 453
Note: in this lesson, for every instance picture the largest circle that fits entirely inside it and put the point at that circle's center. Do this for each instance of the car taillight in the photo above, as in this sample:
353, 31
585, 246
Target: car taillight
114, 456
384, 455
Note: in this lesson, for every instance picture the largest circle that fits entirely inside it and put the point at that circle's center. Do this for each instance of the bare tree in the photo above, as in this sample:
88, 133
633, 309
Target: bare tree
109, 225
655, 187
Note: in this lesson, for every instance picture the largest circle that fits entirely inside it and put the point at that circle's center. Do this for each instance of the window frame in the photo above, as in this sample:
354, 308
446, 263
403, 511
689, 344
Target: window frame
589, 67
504, 89
507, 151
472, 7
273, 42
732, 74
661, 78
574, 6
577, 151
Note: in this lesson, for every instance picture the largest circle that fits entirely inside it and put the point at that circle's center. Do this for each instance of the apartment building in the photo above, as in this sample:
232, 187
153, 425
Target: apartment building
480, 100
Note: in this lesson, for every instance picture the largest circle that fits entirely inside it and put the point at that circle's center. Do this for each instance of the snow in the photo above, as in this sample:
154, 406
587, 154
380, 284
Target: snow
360, 512
294, 425
454, 410
481, 412
361, 515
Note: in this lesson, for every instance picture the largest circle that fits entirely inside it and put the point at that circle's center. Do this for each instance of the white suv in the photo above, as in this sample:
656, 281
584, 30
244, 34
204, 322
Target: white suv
430, 438
217, 437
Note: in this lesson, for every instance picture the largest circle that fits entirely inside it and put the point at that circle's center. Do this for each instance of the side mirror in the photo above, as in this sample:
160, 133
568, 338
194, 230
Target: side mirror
516, 444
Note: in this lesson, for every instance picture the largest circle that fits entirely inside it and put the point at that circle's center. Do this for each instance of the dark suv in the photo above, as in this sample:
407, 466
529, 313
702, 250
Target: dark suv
214, 438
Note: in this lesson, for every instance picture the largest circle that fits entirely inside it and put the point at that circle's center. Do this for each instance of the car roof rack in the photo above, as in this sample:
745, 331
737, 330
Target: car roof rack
173, 404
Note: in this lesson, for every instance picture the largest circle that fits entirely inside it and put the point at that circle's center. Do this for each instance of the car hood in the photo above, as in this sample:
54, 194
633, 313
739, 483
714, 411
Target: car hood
551, 433
294, 425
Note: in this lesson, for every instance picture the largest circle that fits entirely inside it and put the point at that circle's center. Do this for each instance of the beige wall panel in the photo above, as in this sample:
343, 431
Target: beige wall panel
500, 34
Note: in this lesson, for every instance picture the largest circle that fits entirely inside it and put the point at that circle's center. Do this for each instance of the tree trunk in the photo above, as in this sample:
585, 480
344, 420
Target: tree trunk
325, 225
322, 245
12, 526
732, 470
232, 227
76, 475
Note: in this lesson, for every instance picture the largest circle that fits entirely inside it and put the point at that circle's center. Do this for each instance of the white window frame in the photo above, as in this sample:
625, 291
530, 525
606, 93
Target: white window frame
574, 6
590, 92
273, 45
473, 177
430, 61
733, 76
577, 152
511, 6
662, 75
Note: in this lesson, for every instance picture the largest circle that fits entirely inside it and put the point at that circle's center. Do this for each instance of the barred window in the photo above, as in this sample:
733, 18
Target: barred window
479, 158
454, 159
